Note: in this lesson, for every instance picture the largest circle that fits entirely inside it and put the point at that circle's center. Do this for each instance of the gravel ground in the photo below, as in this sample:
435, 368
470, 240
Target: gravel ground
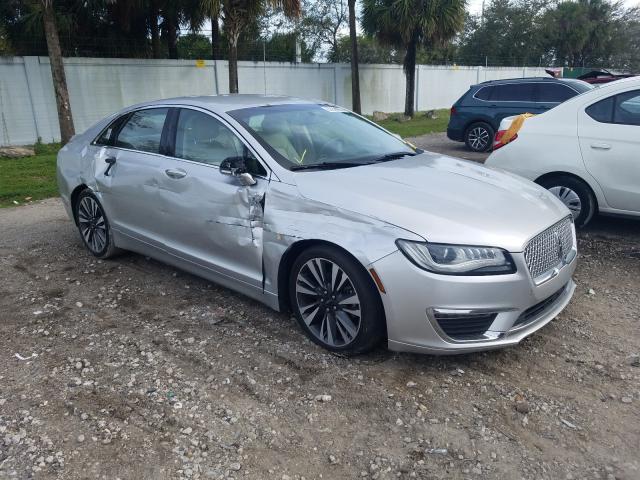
438, 142
130, 369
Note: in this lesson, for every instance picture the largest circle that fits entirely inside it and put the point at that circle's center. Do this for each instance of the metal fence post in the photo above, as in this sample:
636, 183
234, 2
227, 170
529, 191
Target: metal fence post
417, 89
215, 76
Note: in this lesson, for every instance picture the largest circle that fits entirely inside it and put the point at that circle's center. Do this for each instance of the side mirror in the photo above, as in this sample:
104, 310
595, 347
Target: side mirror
236, 167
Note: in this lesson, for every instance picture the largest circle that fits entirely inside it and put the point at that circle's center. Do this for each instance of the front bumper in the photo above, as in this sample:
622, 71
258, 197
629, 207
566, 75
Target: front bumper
520, 307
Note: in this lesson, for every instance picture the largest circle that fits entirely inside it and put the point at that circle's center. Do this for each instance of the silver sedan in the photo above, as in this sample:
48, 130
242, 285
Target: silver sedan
310, 208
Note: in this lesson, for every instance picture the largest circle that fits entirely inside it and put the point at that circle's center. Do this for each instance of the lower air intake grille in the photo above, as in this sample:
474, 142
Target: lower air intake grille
532, 312
463, 326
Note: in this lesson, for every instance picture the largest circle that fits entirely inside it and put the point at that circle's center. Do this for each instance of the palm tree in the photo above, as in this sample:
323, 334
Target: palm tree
207, 10
408, 24
65, 118
355, 74
237, 15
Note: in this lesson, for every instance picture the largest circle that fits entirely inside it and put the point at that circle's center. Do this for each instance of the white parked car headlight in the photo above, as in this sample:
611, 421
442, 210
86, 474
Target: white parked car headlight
457, 259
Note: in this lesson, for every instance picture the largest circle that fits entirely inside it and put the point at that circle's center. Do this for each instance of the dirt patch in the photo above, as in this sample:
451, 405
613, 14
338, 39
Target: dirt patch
142, 371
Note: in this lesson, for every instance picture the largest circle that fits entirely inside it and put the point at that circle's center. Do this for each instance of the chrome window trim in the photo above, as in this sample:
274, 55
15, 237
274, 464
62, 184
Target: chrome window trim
520, 83
202, 110
128, 112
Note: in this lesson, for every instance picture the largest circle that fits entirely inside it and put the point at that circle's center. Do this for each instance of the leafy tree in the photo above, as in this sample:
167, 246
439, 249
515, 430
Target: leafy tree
236, 15
586, 32
369, 51
322, 23
407, 24
194, 45
5, 45
507, 34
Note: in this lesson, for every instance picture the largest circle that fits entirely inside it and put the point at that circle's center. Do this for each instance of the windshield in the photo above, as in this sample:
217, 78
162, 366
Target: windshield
301, 136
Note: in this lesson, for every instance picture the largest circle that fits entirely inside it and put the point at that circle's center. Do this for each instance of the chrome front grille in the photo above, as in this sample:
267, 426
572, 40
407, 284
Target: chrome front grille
549, 250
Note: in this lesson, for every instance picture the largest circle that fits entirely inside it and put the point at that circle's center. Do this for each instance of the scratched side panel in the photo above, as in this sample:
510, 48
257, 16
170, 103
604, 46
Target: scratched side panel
290, 218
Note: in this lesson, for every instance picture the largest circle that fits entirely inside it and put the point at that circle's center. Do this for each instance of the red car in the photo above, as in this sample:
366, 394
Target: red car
602, 76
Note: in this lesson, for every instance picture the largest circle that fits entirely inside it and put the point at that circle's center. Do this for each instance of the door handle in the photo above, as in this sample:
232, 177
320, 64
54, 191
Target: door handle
111, 161
601, 146
175, 173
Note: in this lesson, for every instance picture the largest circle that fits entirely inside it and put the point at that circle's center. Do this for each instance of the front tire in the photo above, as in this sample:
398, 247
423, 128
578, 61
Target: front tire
335, 301
93, 225
479, 137
575, 194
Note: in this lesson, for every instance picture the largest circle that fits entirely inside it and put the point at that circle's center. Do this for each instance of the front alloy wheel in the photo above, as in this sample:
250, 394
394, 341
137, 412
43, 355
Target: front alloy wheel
335, 301
327, 302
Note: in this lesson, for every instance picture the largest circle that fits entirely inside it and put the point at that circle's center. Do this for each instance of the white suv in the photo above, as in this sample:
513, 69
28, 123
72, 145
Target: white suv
586, 151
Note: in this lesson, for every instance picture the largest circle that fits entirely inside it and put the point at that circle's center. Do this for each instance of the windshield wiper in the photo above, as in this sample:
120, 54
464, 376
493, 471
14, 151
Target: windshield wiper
326, 165
393, 156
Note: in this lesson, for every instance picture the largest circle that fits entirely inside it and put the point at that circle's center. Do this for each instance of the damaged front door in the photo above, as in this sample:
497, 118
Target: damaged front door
209, 218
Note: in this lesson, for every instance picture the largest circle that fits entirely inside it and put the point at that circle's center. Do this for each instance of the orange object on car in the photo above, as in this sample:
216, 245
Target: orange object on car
505, 136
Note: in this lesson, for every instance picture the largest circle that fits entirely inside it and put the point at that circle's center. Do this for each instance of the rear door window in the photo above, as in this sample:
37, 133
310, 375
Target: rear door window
627, 110
623, 109
554, 93
143, 130
514, 92
602, 111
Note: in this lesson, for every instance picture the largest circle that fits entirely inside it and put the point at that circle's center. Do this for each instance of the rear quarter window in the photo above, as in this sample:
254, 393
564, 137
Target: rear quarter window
484, 93
514, 92
555, 93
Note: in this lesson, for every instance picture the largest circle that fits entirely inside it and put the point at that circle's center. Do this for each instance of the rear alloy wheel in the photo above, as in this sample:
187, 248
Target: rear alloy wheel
479, 137
575, 194
93, 225
335, 301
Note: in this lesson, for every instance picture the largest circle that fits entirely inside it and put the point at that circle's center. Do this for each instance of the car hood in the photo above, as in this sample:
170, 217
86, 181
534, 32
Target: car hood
442, 199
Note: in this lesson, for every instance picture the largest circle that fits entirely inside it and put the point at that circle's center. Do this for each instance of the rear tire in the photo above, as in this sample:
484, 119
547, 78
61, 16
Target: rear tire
479, 137
93, 225
335, 301
575, 194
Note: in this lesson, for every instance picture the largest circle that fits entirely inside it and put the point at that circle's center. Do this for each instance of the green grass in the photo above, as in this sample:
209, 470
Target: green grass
418, 125
26, 179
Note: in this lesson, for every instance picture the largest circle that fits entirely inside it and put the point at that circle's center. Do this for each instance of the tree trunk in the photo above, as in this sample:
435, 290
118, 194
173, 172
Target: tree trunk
215, 35
155, 30
65, 119
409, 66
233, 60
172, 36
355, 73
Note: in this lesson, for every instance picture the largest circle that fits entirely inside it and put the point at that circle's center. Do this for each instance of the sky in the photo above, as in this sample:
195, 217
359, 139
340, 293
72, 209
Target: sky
475, 6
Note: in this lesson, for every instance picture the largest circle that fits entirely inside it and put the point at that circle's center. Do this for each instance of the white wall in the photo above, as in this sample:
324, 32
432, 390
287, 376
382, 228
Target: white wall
99, 86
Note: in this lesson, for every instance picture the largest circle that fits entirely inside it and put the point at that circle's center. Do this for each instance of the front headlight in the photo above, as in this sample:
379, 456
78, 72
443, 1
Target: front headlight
457, 259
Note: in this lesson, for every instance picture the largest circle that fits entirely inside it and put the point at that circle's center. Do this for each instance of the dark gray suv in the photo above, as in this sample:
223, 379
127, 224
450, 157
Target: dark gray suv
475, 117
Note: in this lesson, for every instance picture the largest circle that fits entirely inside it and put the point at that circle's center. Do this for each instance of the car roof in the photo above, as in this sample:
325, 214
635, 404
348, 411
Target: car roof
229, 102
532, 79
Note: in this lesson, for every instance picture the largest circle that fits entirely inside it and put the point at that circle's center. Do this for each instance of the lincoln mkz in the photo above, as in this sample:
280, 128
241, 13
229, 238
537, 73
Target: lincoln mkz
310, 208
